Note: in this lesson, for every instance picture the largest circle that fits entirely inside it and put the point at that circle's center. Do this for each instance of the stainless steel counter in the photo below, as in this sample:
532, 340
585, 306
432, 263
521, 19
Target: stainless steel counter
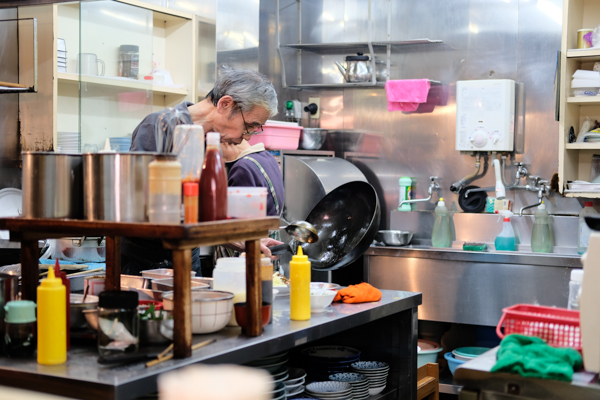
390, 324
471, 287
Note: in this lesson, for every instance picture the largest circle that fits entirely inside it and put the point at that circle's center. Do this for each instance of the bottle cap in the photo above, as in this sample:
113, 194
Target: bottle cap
542, 206
51, 280
300, 257
20, 312
213, 138
588, 204
506, 219
441, 202
190, 189
118, 299
577, 275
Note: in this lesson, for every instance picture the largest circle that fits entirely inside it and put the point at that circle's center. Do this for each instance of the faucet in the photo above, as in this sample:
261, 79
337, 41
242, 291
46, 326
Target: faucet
433, 186
541, 187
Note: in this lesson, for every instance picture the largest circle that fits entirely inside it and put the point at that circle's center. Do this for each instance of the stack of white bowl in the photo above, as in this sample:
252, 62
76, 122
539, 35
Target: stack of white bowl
61, 55
359, 382
294, 385
377, 373
275, 365
67, 142
329, 390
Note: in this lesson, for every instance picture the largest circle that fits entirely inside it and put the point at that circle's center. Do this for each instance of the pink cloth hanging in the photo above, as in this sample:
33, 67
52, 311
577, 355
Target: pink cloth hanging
406, 94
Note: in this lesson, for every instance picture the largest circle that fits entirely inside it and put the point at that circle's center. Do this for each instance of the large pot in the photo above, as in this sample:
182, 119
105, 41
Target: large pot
116, 186
52, 185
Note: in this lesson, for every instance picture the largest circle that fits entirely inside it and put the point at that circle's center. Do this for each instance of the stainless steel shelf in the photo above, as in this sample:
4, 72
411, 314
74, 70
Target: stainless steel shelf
355, 47
338, 85
447, 385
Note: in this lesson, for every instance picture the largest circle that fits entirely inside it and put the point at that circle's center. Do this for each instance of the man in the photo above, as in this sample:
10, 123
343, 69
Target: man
239, 104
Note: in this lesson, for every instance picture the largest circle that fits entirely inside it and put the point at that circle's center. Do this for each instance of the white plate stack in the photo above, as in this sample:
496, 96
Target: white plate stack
377, 373
329, 390
67, 142
359, 382
275, 365
294, 385
61, 55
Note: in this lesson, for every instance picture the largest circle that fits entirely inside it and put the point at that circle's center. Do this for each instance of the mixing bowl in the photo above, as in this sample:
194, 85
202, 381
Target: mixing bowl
211, 309
312, 138
78, 319
394, 238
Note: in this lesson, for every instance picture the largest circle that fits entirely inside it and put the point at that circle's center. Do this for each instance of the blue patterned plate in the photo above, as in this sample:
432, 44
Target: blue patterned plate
351, 377
328, 387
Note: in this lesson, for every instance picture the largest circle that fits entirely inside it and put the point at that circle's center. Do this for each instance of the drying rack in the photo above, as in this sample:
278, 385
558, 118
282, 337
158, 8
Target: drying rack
181, 239
12, 87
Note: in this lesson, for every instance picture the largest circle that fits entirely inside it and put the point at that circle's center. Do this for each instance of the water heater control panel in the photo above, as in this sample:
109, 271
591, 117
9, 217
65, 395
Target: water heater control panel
485, 115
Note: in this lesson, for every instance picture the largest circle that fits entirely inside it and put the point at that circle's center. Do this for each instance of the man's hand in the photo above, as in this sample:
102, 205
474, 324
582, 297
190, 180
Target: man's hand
265, 243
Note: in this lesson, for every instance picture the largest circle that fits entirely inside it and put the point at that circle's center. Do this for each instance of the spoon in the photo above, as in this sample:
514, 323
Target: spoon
301, 231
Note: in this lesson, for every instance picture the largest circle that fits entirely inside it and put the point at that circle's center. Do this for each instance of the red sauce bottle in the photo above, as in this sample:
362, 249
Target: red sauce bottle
213, 182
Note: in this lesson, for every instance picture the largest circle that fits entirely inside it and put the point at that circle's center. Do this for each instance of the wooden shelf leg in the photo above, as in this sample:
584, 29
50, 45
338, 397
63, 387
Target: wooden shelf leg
113, 263
30, 270
182, 311
253, 288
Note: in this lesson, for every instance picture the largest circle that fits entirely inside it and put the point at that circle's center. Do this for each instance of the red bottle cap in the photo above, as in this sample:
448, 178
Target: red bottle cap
506, 219
190, 189
589, 204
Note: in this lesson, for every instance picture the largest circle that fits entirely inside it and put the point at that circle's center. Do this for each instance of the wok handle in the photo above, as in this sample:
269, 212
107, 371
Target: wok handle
281, 249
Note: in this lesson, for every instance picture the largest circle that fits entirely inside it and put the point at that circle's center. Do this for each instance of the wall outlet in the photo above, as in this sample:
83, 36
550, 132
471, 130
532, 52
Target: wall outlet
317, 101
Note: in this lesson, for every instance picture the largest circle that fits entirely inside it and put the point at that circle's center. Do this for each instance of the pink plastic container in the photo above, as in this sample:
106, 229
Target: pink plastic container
278, 137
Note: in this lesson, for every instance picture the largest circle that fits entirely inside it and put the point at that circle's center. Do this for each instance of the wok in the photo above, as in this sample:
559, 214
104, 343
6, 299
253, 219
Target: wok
346, 221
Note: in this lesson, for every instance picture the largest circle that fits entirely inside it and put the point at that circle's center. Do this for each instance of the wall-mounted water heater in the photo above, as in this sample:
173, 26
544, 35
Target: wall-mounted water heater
485, 115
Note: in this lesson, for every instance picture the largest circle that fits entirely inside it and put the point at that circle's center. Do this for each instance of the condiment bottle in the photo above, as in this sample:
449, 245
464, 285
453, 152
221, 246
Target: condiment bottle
300, 287
52, 321
213, 182
540, 235
164, 190
441, 235
266, 274
19, 338
190, 202
230, 275
65, 281
583, 235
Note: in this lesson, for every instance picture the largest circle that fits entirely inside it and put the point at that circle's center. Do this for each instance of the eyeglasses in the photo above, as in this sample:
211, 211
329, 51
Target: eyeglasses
256, 131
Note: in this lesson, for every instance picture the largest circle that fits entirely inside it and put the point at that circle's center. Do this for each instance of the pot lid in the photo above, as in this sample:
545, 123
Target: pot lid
357, 57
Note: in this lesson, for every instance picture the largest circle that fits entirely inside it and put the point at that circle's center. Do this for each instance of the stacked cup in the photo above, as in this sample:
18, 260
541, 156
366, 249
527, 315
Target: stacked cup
375, 371
359, 382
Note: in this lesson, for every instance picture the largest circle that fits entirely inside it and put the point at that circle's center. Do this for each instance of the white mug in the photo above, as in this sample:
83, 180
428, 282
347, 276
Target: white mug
88, 64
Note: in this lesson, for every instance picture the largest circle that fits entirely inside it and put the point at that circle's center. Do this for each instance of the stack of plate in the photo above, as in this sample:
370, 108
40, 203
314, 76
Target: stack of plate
376, 372
294, 385
62, 55
468, 353
278, 392
123, 143
275, 365
68, 142
359, 382
322, 361
329, 390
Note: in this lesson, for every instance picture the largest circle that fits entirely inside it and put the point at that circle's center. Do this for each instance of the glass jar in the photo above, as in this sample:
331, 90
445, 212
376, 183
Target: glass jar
129, 61
19, 336
118, 323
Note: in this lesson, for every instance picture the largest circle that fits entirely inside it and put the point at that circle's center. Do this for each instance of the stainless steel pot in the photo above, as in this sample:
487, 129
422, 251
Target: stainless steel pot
52, 185
116, 186
312, 138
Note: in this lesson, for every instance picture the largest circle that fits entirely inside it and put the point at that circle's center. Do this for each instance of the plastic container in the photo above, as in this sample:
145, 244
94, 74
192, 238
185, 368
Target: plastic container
213, 182
278, 137
230, 275
19, 337
559, 327
164, 190
300, 287
190, 202
441, 235
453, 363
575, 289
118, 322
584, 87
52, 321
505, 241
541, 241
191, 156
583, 233
406, 193
246, 202
428, 353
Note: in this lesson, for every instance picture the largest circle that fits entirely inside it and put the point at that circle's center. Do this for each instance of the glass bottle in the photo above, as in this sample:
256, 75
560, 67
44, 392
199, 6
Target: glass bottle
19, 337
213, 182
118, 322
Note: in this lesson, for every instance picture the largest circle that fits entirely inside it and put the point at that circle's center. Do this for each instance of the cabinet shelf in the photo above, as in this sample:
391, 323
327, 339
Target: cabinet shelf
122, 83
355, 47
582, 146
589, 195
586, 55
584, 100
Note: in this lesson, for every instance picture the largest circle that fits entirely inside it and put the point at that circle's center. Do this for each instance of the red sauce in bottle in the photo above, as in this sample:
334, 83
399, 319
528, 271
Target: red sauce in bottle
213, 182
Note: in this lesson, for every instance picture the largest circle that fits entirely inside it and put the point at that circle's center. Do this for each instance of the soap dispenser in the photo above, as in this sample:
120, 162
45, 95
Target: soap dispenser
540, 236
505, 241
441, 235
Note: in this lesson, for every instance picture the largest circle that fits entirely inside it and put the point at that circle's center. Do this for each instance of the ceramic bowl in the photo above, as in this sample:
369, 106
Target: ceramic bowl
350, 377
329, 387
241, 314
211, 309
328, 286
371, 366
318, 303
376, 390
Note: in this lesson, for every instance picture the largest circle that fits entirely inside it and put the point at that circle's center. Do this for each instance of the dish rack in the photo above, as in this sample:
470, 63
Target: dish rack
559, 327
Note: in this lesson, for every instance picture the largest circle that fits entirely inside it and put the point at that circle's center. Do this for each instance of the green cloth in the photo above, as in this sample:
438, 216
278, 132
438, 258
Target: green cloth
531, 357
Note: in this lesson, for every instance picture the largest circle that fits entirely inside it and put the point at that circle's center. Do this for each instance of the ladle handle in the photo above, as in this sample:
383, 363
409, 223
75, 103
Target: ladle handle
281, 249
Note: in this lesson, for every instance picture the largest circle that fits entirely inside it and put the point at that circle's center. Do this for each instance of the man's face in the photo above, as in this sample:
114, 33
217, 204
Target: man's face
234, 125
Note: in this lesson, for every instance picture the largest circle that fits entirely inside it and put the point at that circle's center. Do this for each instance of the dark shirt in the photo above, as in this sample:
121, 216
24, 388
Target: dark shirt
244, 172
143, 137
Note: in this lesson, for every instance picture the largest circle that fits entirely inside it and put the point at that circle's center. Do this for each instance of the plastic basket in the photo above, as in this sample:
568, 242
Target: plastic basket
559, 327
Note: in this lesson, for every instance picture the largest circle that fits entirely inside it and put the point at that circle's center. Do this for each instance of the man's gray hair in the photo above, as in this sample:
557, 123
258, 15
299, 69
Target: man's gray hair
248, 89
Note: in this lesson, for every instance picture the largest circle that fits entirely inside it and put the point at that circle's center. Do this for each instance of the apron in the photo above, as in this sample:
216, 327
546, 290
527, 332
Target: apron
222, 251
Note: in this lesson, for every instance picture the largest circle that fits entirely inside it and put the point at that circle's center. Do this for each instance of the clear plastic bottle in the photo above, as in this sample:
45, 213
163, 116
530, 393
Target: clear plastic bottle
541, 241
505, 241
441, 235
213, 182
575, 289
583, 233
230, 275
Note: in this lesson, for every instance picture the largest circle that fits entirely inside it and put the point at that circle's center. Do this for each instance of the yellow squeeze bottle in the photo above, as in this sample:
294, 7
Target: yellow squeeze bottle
52, 321
300, 287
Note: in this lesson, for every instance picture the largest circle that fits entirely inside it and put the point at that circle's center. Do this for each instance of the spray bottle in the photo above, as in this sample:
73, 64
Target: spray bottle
505, 241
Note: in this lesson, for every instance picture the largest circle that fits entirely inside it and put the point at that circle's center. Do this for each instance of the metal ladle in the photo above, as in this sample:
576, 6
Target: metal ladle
301, 231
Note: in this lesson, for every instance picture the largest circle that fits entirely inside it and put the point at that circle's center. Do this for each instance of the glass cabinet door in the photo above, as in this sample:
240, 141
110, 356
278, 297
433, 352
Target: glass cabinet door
115, 54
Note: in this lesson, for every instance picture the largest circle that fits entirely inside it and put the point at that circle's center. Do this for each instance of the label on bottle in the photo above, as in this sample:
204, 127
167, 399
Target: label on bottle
406, 193
584, 234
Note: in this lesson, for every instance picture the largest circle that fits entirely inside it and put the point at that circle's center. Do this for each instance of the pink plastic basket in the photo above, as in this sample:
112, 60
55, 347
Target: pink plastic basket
278, 137
559, 327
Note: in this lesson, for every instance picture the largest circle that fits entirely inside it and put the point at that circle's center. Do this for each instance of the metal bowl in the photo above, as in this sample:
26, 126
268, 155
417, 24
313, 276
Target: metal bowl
312, 138
78, 319
394, 238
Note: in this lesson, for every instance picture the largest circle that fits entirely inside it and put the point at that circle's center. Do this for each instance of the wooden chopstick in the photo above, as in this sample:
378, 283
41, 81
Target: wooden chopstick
170, 356
87, 271
168, 349
10, 84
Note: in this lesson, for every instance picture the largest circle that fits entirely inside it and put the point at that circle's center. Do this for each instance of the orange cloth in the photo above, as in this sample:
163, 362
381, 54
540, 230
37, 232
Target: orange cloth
361, 293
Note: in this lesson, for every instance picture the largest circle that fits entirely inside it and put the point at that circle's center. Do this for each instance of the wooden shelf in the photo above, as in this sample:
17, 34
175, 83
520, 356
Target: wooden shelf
583, 146
584, 100
589, 195
585, 55
66, 78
